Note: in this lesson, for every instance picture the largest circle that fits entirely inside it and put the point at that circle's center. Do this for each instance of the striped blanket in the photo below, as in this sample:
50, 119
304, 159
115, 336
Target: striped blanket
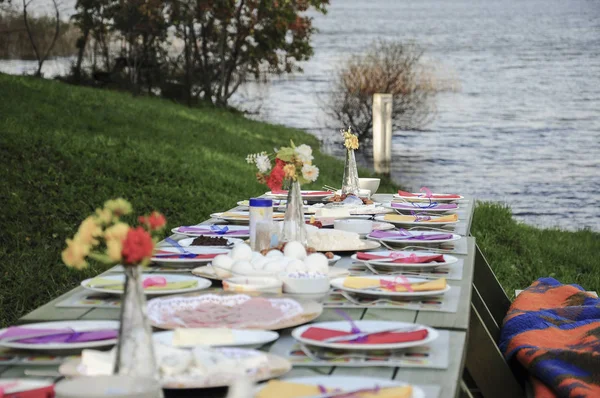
553, 330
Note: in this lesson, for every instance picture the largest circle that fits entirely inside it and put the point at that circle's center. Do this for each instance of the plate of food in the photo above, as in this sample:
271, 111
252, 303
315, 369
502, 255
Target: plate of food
215, 337
390, 260
315, 386
60, 335
213, 230
418, 219
312, 195
434, 207
209, 241
335, 240
364, 335
413, 237
154, 284
241, 217
427, 196
236, 311
190, 255
180, 368
391, 286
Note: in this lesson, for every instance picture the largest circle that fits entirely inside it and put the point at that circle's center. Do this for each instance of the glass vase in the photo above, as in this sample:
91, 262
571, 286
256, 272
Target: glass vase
350, 181
135, 351
294, 227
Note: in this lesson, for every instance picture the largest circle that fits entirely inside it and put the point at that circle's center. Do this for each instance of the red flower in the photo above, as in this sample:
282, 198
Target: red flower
275, 180
154, 221
137, 246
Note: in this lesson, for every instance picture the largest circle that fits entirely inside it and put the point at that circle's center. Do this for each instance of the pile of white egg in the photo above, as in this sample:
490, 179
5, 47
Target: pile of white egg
243, 261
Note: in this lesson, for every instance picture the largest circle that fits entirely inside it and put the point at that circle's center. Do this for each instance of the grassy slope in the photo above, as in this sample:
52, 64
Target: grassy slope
64, 150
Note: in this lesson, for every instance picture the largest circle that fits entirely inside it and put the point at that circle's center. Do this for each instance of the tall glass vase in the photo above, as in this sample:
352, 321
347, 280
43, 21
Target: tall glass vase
350, 181
135, 352
294, 227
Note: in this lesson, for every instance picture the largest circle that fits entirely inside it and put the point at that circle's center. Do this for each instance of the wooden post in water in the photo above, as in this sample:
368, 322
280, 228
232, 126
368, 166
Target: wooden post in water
382, 133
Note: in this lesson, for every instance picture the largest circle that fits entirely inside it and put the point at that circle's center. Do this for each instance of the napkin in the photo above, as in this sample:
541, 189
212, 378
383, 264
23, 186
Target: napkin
359, 283
412, 236
434, 196
414, 259
439, 206
285, 389
407, 218
320, 334
57, 335
162, 254
208, 231
118, 286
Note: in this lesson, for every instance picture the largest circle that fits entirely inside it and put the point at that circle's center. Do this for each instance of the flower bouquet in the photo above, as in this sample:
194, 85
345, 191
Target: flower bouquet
293, 166
105, 238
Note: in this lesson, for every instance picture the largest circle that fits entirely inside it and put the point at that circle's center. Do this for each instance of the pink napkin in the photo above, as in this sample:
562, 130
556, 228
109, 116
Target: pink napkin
154, 281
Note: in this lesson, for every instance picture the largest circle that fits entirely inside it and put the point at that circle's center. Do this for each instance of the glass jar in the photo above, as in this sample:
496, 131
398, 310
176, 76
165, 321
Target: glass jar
261, 219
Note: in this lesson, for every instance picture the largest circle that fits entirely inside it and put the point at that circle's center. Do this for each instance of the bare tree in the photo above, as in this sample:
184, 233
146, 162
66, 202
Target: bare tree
40, 54
389, 68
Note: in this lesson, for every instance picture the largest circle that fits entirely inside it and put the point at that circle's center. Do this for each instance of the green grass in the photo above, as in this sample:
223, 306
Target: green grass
64, 150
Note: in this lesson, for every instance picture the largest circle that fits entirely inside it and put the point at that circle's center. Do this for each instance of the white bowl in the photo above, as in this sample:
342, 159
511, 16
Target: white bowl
305, 283
372, 184
361, 227
252, 284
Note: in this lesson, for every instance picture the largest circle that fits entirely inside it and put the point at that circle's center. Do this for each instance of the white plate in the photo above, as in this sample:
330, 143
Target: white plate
422, 198
417, 242
388, 264
424, 223
242, 217
338, 283
201, 284
207, 271
187, 242
350, 383
305, 195
13, 386
242, 338
78, 326
214, 234
409, 207
189, 261
365, 245
365, 326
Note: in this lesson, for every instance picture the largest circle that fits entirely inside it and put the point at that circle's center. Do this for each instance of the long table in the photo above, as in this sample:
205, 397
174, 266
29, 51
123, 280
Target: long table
436, 383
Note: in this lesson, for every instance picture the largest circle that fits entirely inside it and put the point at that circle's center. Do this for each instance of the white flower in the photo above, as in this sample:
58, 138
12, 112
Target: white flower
304, 153
310, 173
263, 163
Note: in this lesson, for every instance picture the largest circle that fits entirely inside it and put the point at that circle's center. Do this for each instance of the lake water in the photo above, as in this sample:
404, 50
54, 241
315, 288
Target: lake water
525, 127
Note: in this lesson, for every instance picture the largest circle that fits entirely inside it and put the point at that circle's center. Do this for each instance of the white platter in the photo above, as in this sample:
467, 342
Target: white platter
277, 367
338, 283
242, 338
415, 222
364, 326
305, 195
351, 383
423, 198
388, 264
205, 230
201, 284
207, 271
418, 242
189, 261
365, 245
78, 326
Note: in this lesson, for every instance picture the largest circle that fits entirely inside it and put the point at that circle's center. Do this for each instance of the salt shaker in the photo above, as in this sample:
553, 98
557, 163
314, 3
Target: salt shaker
261, 218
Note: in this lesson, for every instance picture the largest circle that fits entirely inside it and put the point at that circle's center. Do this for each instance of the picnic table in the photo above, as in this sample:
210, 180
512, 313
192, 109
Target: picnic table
435, 382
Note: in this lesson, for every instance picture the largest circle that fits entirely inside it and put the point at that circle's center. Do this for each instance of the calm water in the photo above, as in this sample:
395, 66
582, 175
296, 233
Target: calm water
525, 127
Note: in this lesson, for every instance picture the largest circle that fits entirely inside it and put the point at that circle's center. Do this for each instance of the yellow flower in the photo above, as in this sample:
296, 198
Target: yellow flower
350, 140
289, 171
114, 247
75, 253
88, 231
104, 216
117, 232
119, 207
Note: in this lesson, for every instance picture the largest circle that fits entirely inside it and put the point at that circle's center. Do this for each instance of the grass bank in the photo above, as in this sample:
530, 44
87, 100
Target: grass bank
64, 150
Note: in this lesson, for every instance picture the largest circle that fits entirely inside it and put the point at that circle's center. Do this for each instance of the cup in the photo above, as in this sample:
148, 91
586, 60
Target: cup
118, 386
